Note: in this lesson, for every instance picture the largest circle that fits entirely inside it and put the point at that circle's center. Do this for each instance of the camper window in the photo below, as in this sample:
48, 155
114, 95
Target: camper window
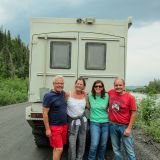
60, 55
95, 58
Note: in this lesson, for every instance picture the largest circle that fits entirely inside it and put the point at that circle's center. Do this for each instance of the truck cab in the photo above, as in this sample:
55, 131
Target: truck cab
72, 47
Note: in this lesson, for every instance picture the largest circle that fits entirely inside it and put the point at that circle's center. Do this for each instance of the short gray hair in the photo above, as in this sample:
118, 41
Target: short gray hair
121, 79
57, 77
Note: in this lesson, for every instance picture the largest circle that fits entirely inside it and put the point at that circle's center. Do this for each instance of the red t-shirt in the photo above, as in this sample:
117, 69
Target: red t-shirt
120, 107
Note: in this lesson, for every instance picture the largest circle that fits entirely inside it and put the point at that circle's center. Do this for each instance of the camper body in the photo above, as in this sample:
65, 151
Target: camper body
89, 48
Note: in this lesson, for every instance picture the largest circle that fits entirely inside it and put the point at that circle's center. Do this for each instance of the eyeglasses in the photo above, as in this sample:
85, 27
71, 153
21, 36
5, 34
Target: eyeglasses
97, 86
58, 83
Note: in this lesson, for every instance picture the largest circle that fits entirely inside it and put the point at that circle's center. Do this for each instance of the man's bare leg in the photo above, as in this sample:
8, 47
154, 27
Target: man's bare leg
57, 152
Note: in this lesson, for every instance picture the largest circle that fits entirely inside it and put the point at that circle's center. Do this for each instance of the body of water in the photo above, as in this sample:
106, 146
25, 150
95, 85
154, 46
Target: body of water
140, 96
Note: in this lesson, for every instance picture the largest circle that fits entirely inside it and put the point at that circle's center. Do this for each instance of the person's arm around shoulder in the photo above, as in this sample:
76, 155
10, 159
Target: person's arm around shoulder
46, 121
87, 101
107, 95
67, 94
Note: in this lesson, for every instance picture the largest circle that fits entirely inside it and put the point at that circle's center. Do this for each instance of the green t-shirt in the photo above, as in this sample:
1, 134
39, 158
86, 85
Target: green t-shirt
98, 108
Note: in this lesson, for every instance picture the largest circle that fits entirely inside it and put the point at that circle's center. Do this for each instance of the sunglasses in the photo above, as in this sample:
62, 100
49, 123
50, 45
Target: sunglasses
98, 86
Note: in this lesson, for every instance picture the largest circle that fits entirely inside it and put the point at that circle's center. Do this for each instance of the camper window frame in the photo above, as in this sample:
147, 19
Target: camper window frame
86, 56
52, 52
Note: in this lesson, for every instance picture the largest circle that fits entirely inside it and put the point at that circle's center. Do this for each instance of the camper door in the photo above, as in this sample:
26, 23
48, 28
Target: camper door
101, 57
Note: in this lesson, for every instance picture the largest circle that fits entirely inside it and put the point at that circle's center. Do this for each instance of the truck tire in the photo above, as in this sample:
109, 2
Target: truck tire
41, 141
38, 131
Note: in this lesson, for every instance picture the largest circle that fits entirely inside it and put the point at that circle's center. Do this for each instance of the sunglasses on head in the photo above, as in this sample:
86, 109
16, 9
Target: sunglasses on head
98, 86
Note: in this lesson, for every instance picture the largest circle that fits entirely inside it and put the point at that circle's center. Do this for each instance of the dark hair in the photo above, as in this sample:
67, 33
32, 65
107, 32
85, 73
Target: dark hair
81, 79
102, 92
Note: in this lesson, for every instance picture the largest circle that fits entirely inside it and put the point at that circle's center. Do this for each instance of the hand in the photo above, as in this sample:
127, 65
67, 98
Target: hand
48, 133
85, 93
127, 132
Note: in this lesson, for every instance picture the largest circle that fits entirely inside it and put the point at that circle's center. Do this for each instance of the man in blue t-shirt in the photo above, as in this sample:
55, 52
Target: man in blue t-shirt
55, 117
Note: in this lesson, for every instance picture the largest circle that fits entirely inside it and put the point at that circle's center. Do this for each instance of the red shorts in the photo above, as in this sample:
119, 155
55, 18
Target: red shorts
59, 136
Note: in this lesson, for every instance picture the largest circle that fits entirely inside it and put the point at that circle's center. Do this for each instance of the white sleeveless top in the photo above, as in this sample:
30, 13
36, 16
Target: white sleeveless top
75, 107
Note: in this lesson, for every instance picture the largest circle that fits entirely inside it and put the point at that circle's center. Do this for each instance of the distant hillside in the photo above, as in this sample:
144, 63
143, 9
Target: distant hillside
152, 88
133, 87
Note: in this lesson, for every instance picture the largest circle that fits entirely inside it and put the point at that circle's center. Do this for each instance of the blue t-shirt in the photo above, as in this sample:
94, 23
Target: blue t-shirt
57, 107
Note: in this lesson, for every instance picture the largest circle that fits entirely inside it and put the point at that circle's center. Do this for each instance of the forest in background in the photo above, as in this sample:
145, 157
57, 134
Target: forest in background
14, 69
14, 56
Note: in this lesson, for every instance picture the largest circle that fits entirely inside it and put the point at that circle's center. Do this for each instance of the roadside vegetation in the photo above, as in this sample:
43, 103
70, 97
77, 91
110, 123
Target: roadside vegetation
148, 111
13, 91
148, 117
14, 64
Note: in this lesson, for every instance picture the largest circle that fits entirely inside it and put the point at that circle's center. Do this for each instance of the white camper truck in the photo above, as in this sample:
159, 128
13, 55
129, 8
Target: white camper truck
83, 47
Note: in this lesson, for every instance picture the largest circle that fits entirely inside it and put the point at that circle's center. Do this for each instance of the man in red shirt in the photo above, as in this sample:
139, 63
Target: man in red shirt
122, 114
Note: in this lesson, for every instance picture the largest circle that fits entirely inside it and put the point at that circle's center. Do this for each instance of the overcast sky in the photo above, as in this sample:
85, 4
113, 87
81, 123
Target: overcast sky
143, 58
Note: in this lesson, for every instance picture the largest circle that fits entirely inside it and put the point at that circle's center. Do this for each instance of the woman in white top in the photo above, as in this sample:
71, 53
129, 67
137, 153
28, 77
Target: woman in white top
76, 103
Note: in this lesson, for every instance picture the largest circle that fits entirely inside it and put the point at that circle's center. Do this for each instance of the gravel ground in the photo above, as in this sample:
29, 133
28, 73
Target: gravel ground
145, 147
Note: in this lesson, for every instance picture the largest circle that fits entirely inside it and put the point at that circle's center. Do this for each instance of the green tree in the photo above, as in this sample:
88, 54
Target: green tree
14, 56
153, 87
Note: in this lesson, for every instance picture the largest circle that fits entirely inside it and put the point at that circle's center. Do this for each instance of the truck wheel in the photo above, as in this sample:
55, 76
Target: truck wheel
41, 141
38, 132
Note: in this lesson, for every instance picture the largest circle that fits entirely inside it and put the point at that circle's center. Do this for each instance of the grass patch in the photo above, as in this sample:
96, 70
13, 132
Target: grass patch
13, 91
148, 117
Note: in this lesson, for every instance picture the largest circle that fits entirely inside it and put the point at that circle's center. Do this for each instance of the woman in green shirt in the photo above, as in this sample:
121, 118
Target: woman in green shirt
99, 123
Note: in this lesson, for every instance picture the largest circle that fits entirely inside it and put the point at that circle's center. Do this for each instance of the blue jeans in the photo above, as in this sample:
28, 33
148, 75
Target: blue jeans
116, 133
99, 136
